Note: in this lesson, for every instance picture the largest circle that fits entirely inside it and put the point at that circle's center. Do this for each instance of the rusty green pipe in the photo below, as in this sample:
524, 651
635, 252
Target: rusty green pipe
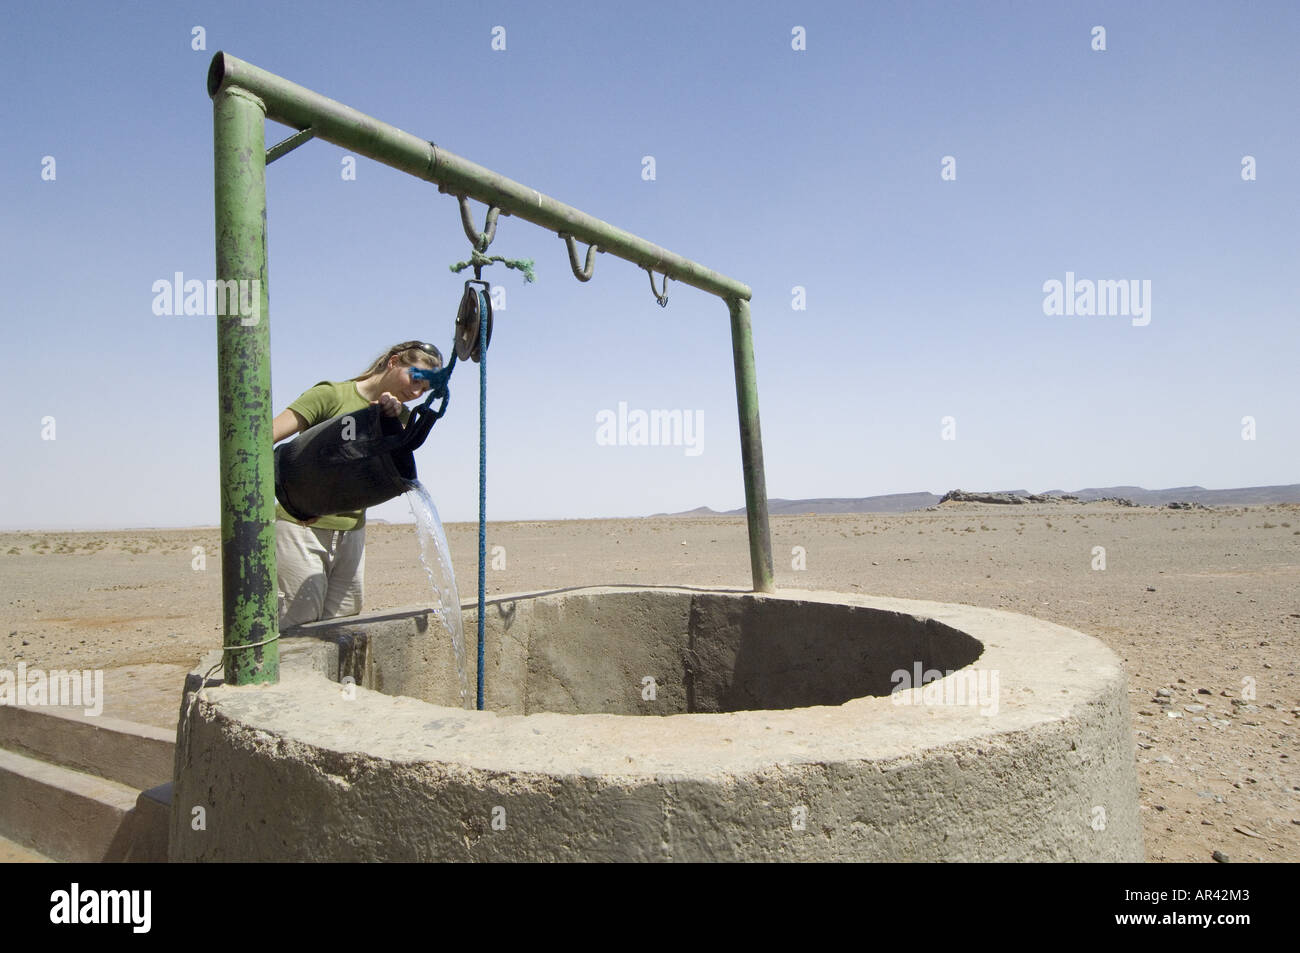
751, 447
300, 108
248, 578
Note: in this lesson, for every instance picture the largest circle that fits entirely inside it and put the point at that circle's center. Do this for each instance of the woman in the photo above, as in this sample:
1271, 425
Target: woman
321, 563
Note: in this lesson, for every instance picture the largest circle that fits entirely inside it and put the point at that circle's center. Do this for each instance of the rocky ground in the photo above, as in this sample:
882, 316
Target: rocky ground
1203, 606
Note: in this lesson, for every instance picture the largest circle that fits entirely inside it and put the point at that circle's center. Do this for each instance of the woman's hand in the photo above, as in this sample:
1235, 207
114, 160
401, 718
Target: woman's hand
391, 405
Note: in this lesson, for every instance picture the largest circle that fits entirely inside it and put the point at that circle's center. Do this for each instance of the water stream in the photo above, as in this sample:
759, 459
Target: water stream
436, 559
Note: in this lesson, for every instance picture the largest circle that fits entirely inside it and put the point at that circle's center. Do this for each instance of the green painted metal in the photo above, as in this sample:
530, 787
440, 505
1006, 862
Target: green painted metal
248, 491
301, 108
751, 447
248, 578
285, 146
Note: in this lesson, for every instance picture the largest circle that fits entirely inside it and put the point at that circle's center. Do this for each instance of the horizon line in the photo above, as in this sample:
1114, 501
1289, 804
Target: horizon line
723, 513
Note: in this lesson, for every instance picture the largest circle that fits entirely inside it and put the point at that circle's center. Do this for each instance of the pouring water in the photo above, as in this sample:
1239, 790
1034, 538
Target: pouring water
435, 556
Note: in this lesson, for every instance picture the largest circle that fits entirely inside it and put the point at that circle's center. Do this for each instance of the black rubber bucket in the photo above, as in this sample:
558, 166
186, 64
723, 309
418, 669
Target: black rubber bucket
349, 462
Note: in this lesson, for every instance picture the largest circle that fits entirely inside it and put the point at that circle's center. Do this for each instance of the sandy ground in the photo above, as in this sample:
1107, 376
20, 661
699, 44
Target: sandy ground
1202, 603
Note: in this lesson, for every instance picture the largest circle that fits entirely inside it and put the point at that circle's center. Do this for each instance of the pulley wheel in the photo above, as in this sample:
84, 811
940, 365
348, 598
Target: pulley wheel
467, 324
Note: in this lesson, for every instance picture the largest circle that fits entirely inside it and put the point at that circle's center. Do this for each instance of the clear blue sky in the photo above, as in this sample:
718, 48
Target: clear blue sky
817, 168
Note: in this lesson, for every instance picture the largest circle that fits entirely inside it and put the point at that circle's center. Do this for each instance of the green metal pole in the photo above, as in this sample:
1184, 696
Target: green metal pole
751, 447
248, 577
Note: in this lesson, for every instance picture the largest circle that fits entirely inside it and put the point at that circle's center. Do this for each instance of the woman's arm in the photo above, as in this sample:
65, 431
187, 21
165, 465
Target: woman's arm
286, 425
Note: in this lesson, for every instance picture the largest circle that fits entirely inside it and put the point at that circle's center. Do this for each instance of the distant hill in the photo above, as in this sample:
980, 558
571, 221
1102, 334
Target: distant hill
698, 511
907, 502
1243, 496
889, 503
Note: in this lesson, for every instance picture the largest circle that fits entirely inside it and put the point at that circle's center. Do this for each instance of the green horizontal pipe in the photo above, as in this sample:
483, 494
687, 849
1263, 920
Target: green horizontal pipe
300, 108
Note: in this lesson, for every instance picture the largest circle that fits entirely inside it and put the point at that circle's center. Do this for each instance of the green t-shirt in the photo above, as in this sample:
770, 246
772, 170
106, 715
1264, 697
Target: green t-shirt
325, 401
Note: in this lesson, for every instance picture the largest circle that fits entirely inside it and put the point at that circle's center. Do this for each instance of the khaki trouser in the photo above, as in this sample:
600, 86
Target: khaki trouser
319, 572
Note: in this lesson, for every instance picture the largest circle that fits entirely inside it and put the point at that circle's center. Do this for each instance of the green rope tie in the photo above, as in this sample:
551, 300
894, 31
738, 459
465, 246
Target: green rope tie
478, 260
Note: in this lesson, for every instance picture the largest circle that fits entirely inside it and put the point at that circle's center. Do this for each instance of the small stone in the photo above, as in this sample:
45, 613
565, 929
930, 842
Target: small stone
25, 642
1164, 759
1145, 711
1196, 718
1174, 714
1164, 693
1151, 588
1182, 681
1193, 708
1162, 701
1160, 807
1208, 823
1220, 856
1204, 691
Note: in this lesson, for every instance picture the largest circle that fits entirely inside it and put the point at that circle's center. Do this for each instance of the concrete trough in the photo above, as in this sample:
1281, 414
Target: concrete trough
669, 724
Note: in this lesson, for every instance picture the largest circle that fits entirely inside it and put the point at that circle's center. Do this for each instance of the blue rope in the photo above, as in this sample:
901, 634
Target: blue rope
482, 479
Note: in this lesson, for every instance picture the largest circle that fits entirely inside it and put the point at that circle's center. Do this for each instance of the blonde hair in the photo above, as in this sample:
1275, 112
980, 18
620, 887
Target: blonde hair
408, 353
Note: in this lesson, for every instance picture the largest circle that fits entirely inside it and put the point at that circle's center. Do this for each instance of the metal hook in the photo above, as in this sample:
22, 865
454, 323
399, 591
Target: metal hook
661, 298
480, 240
584, 273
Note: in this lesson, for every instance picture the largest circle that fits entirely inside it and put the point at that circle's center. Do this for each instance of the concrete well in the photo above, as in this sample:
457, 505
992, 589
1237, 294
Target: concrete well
670, 724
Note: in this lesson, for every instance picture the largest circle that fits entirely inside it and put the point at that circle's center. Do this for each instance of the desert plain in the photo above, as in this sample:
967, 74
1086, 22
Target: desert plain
1202, 606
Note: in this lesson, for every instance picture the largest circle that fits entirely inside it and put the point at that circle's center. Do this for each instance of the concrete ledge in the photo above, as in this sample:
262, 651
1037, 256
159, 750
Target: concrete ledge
139, 756
777, 738
64, 814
